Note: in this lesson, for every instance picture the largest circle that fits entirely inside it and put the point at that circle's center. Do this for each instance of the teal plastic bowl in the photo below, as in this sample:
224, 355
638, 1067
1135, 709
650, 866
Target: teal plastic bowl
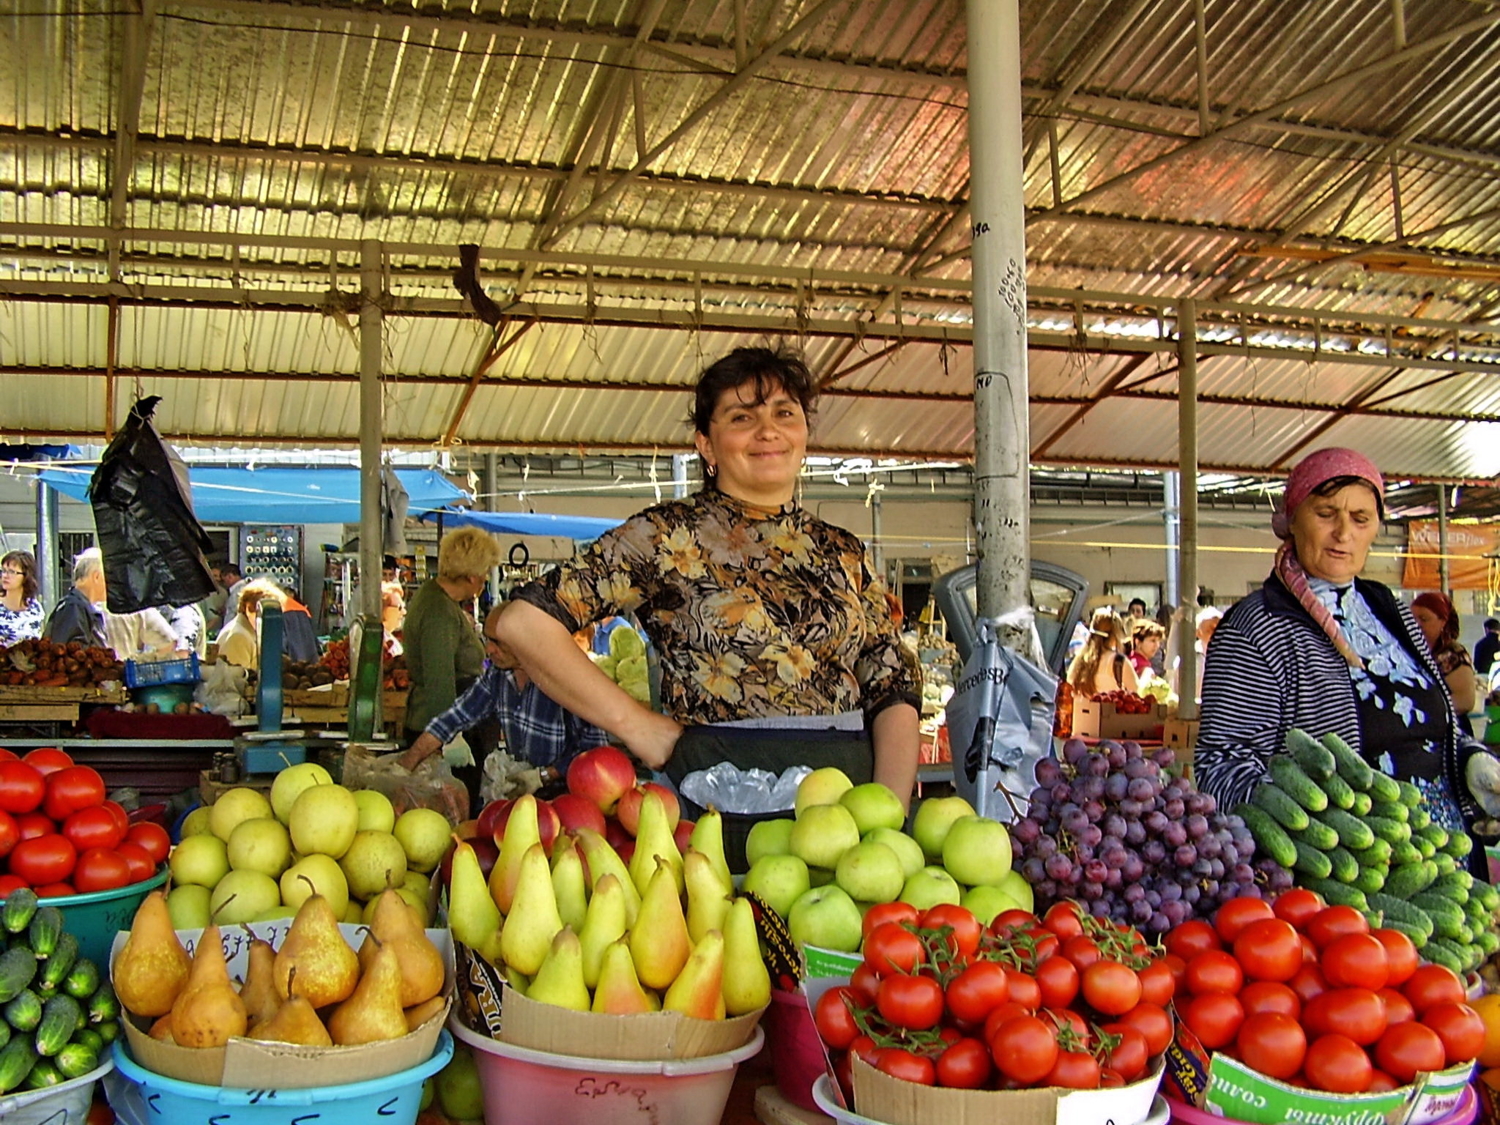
165, 696
94, 919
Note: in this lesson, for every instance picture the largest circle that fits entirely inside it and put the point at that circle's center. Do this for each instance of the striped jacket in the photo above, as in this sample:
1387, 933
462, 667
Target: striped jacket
1270, 668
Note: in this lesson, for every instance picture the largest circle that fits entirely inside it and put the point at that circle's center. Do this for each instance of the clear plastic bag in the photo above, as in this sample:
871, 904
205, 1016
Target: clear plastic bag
430, 786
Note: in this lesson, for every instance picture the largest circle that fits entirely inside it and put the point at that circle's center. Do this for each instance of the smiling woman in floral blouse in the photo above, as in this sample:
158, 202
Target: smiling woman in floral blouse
20, 611
776, 644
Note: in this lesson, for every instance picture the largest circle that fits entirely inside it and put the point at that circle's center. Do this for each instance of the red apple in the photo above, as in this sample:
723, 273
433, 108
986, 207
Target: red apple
616, 835
629, 810
575, 812
484, 850
682, 833
546, 822
491, 818
602, 775
625, 851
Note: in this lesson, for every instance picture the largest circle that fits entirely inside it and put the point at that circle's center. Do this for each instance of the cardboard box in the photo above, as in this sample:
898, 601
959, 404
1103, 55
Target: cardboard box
491, 1007
1102, 720
1181, 736
1228, 1088
251, 1064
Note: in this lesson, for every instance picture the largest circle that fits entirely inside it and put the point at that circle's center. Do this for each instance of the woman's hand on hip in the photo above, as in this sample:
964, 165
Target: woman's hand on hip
654, 739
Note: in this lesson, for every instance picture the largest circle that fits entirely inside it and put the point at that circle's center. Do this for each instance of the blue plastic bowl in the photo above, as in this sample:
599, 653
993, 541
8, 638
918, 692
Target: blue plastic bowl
95, 918
141, 1097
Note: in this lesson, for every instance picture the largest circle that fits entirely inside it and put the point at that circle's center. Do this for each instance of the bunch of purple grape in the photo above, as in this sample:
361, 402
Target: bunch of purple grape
1108, 828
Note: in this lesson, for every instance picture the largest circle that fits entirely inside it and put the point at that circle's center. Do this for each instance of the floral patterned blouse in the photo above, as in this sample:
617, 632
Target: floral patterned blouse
17, 625
755, 612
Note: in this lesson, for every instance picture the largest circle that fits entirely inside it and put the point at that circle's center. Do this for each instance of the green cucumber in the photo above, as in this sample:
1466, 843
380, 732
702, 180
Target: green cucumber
1296, 784
19, 907
1351, 767
23, 1012
1418, 935
1487, 893
1453, 887
109, 1030
1392, 831
1489, 943
77, 1059
82, 980
1410, 879
56, 967
1268, 835
1377, 854
1312, 862
1403, 852
1315, 759
1337, 894
1340, 794
1459, 845
1418, 818
1408, 794
60, 1018
1445, 953
1287, 812
45, 931
1361, 805
1434, 834
1369, 879
17, 971
1395, 910
16, 1060
1319, 835
1391, 810
1447, 916
103, 1005
43, 1076
1446, 864
1425, 846
91, 1039
1353, 833
1344, 866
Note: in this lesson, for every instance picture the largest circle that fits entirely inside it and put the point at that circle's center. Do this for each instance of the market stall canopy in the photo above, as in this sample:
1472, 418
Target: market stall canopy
280, 495
527, 523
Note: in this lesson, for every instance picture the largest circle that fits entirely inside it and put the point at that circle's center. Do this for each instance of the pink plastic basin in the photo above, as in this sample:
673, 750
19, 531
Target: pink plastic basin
525, 1087
796, 1050
1463, 1113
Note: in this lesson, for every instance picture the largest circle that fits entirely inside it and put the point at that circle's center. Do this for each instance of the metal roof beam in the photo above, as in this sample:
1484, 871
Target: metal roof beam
133, 52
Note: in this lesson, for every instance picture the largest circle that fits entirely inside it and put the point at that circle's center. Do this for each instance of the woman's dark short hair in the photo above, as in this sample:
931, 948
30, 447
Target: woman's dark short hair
767, 368
26, 564
1337, 484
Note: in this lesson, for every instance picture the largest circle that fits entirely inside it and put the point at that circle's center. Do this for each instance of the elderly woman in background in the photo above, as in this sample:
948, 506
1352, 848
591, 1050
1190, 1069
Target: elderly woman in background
239, 641
1321, 649
1439, 622
444, 654
1100, 665
20, 612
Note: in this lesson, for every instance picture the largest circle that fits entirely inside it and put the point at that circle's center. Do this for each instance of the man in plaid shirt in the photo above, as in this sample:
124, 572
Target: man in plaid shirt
536, 729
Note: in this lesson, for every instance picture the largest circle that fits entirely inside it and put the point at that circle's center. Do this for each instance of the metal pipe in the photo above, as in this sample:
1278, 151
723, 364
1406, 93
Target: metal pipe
49, 578
1398, 24
1170, 495
1442, 497
679, 475
877, 544
1200, 58
1002, 430
371, 427
1187, 457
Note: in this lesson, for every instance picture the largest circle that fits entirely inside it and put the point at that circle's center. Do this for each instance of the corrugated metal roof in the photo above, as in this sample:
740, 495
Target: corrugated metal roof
650, 194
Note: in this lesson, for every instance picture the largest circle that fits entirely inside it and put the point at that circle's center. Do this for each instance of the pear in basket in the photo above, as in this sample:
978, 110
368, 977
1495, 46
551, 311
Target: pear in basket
327, 969
294, 1022
208, 1012
396, 927
152, 967
374, 1011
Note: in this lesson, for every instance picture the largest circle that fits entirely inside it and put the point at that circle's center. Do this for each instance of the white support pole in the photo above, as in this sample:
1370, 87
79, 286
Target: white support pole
1002, 426
1187, 461
371, 426
1170, 486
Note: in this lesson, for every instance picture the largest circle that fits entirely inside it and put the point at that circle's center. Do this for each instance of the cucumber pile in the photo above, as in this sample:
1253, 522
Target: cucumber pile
1362, 839
57, 1015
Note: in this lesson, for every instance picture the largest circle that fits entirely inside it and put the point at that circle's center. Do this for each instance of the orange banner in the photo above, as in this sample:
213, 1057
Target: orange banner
1468, 544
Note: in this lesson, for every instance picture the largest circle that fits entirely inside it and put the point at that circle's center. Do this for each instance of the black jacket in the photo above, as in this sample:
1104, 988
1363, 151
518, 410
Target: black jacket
75, 618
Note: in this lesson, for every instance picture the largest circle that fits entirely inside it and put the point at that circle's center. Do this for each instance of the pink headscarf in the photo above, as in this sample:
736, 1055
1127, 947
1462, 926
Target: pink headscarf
1313, 471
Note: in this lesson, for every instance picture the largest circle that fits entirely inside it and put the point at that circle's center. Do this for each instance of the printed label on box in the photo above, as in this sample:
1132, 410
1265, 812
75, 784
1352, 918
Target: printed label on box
1237, 1092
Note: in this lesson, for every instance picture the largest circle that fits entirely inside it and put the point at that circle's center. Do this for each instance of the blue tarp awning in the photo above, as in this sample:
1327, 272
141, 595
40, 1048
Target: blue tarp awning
527, 523
281, 495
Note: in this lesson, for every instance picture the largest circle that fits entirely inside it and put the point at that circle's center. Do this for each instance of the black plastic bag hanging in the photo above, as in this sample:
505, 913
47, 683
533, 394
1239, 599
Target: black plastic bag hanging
153, 546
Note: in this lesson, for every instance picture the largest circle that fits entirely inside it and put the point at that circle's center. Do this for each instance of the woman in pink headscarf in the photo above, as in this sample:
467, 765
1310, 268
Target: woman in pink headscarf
1438, 621
1321, 649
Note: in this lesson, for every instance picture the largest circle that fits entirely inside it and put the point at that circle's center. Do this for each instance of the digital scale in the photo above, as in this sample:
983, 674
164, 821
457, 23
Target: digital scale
269, 749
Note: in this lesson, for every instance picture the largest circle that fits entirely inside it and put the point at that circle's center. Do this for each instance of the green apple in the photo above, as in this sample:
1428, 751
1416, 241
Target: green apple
871, 873
768, 837
275, 914
241, 896
779, 880
290, 782
376, 813
324, 820
874, 806
424, 835
822, 787
201, 859
354, 913
188, 906
822, 833
1015, 885
315, 874
907, 850
375, 861
976, 850
196, 822
987, 900
929, 827
826, 917
261, 844
234, 806
930, 886
458, 1088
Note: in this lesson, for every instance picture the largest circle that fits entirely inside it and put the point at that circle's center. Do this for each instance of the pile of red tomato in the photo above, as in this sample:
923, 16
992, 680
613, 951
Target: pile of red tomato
1126, 702
939, 999
58, 834
1311, 995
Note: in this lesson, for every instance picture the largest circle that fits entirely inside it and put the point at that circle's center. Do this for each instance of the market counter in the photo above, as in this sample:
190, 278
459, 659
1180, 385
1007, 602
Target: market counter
157, 770
26, 704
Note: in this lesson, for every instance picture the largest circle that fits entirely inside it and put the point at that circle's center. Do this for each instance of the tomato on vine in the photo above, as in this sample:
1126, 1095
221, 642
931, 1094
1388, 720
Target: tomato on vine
912, 1002
1024, 1049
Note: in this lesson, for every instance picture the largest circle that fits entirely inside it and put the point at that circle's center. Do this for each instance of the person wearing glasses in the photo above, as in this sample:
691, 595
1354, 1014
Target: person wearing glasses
20, 612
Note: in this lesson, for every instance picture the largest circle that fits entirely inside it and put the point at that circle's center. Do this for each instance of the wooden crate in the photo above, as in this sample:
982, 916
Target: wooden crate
1102, 720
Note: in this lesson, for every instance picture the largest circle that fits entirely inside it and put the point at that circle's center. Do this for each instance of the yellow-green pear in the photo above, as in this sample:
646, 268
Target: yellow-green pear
707, 900
533, 920
560, 979
708, 838
521, 832
659, 942
569, 888
747, 982
472, 913
653, 840
619, 992
519, 981
698, 989
603, 924
601, 860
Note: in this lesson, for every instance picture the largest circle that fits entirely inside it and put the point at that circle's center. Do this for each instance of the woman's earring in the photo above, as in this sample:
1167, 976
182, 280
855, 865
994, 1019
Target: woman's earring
711, 470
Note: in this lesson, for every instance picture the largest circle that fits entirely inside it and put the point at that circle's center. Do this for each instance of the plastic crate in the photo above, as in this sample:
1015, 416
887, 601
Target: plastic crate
147, 673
